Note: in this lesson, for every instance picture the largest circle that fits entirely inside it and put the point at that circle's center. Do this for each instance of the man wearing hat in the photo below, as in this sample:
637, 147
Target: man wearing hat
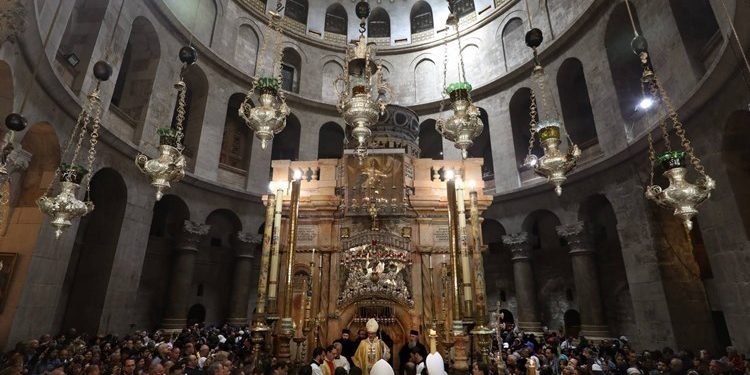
370, 350
405, 352
348, 347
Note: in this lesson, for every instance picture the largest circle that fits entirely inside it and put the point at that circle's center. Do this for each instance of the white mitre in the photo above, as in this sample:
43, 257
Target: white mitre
381, 367
372, 326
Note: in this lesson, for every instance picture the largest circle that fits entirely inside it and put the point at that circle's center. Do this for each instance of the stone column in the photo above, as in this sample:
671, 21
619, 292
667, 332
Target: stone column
180, 284
520, 249
245, 244
586, 280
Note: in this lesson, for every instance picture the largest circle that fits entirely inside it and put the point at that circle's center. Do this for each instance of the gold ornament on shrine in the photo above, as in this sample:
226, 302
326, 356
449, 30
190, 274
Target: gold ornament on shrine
169, 167
555, 163
362, 91
680, 195
464, 123
64, 207
269, 116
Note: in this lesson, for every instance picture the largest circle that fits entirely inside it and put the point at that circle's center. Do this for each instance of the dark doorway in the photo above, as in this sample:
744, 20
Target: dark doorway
572, 320
196, 314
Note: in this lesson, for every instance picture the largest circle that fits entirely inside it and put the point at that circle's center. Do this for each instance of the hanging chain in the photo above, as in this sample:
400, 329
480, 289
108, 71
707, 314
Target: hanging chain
532, 122
461, 71
94, 137
181, 105
651, 157
444, 91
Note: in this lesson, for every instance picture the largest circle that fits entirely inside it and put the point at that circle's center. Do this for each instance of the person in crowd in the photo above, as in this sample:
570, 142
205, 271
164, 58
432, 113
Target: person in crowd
340, 360
317, 361
406, 351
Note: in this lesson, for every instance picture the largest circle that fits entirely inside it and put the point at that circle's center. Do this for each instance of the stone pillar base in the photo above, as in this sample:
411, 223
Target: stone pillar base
595, 334
460, 353
531, 327
173, 324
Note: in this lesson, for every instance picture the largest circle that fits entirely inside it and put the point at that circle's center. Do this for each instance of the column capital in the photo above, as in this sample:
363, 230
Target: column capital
192, 234
519, 245
576, 236
245, 244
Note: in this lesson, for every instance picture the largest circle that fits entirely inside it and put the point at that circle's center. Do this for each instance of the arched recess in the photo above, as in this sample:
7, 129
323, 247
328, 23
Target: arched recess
421, 17
699, 31
286, 143
498, 269
600, 222
520, 118
246, 49
331, 71
624, 65
482, 148
197, 15
336, 19
195, 109
237, 141
430, 141
89, 269
575, 103
6, 89
167, 220
472, 64
291, 68
214, 267
514, 47
426, 84
379, 24
553, 270
735, 155
296, 10
135, 79
331, 141
77, 45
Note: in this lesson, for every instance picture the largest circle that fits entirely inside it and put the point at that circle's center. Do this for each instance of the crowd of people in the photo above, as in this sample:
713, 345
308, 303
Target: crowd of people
228, 350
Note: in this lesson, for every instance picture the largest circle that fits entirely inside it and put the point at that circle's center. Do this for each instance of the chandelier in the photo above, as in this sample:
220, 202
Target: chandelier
362, 91
555, 163
464, 125
169, 166
680, 195
65, 206
269, 117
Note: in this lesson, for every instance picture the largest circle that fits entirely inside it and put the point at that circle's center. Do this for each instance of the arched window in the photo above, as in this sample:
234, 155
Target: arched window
296, 10
515, 50
421, 17
498, 271
336, 19
331, 71
195, 109
78, 40
291, 66
379, 24
576, 107
463, 7
426, 84
286, 143
519, 120
330, 141
482, 148
237, 143
624, 65
735, 155
698, 29
197, 15
430, 141
135, 79
246, 49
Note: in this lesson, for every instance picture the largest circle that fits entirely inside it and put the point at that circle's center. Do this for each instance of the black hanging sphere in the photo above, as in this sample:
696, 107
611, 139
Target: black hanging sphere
534, 38
15, 122
639, 44
188, 55
362, 10
102, 70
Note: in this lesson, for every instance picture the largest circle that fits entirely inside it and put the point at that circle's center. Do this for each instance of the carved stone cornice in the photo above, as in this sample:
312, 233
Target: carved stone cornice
246, 243
518, 243
192, 234
576, 236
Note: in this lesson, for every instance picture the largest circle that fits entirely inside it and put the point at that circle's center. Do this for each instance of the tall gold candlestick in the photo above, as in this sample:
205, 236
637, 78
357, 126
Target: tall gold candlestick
292, 244
466, 273
452, 237
479, 284
273, 281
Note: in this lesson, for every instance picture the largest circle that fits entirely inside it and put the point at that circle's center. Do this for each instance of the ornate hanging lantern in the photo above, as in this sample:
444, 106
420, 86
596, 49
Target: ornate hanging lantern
65, 206
555, 163
269, 117
680, 195
362, 91
169, 166
464, 125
